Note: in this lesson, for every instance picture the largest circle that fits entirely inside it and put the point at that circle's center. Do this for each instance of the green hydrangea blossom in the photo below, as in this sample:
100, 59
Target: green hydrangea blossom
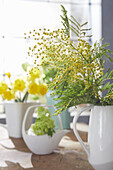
44, 123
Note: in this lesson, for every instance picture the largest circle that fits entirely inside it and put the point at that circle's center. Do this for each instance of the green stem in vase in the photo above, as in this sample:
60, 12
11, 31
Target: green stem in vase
25, 97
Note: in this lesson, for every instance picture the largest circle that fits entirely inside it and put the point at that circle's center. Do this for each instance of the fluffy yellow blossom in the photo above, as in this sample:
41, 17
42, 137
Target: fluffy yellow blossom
20, 88
33, 88
43, 89
3, 87
33, 74
19, 84
9, 95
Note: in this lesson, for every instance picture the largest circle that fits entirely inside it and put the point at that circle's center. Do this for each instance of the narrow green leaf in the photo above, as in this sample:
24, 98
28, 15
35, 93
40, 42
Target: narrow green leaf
75, 20
25, 97
89, 35
84, 24
84, 33
105, 45
74, 32
88, 29
107, 56
74, 24
106, 74
110, 74
74, 29
110, 51
106, 86
111, 86
86, 36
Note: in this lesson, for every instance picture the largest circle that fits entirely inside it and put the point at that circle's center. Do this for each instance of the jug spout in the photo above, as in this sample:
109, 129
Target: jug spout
59, 134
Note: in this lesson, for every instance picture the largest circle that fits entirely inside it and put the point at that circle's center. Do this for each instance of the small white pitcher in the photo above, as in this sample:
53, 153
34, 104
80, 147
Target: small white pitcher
14, 117
100, 136
42, 144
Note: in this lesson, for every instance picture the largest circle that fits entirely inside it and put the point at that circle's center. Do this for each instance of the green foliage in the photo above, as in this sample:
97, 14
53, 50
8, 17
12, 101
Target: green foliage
72, 94
49, 74
44, 124
65, 21
78, 29
73, 24
76, 68
25, 66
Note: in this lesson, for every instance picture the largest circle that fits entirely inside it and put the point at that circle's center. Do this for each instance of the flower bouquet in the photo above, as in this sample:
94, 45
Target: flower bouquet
19, 89
80, 76
16, 95
80, 79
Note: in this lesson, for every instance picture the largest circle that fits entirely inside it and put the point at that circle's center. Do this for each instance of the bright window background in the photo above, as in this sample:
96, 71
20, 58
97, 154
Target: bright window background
20, 16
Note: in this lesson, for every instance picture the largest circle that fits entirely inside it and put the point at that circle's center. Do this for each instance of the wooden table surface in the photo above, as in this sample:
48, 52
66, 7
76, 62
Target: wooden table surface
69, 155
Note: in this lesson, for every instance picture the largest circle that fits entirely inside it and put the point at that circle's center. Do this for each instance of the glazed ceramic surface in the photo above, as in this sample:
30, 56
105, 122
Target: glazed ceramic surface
14, 117
65, 115
100, 136
41, 144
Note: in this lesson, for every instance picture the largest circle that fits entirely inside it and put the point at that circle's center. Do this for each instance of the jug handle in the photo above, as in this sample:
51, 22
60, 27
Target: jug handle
34, 106
75, 129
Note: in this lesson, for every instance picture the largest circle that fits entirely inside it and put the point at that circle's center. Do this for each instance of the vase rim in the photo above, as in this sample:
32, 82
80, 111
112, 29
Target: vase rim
102, 105
29, 102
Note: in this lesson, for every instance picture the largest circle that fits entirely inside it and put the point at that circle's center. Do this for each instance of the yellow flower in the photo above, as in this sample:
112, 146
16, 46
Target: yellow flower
19, 84
43, 89
3, 87
33, 88
9, 95
8, 74
33, 74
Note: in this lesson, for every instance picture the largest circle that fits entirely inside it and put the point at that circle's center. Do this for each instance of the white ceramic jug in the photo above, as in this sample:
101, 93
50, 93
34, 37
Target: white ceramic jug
42, 144
14, 117
100, 136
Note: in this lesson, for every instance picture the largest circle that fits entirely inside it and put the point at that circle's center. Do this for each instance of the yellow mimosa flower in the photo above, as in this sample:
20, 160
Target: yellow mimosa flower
9, 95
19, 84
3, 87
